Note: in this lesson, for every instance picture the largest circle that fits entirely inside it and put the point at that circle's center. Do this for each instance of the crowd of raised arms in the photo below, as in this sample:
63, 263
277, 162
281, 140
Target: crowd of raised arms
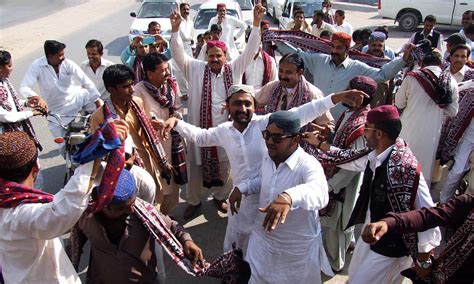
339, 132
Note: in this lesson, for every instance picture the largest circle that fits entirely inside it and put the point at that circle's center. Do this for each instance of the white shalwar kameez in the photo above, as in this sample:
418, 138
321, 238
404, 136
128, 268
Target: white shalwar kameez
422, 120
368, 266
193, 70
245, 151
66, 93
293, 252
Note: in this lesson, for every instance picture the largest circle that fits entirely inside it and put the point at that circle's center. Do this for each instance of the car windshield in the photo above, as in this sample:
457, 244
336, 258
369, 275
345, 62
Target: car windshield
307, 7
205, 15
245, 4
156, 10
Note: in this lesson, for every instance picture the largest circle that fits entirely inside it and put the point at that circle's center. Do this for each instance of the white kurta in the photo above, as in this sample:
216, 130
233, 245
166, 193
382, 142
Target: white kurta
186, 31
422, 119
65, 93
30, 248
245, 151
293, 252
255, 70
368, 266
229, 27
96, 76
345, 28
324, 27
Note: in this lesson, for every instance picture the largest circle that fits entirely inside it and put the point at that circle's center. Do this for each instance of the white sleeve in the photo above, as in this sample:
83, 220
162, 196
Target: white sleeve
200, 137
431, 238
86, 83
241, 26
50, 220
250, 186
30, 79
252, 47
10, 116
358, 165
312, 193
311, 110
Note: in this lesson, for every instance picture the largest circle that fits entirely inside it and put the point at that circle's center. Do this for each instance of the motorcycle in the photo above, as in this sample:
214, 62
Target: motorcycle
76, 133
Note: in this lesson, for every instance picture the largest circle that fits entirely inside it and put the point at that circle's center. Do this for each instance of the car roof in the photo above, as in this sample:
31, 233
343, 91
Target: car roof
164, 1
213, 5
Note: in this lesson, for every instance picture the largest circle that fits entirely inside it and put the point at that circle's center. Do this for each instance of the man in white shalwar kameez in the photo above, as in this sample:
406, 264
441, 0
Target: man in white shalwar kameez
241, 138
208, 86
229, 26
422, 117
285, 245
62, 83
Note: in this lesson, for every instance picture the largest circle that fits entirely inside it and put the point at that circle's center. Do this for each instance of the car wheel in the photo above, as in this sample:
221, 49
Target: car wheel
408, 22
275, 19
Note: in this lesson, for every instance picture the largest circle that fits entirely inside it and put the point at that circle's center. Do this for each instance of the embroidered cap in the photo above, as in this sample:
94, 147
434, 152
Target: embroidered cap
217, 43
377, 36
364, 84
221, 6
382, 113
241, 88
16, 149
126, 188
456, 39
343, 37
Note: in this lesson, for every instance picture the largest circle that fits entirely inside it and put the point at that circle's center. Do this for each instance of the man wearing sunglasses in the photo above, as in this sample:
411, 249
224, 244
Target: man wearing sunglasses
392, 182
241, 139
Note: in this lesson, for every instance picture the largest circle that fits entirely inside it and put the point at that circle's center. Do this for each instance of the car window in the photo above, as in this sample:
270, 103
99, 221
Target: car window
156, 10
245, 4
307, 6
205, 15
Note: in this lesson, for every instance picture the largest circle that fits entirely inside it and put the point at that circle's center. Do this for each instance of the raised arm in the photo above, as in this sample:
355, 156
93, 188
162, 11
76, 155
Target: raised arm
30, 79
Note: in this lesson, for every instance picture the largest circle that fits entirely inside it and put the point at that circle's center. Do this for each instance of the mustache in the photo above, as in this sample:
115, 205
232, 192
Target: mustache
334, 54
284, 79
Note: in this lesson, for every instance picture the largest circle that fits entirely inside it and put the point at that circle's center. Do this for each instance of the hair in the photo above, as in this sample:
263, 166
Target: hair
5, 57
117, 74
467, 12
365, 34
18, 175
341, 13
151, 60
206, 33
200, 36
298, 11
357, 35
430, 18
383, 29
153, 23
469, 29
95, 43
182, 5
216, 28
325, 33
460, 46
293, 58
391, 127
52, 47
431, 59
318, 13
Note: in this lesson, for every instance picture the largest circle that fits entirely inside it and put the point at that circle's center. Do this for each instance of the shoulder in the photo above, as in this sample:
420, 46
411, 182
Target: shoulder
316, 93
106, 62
138, 100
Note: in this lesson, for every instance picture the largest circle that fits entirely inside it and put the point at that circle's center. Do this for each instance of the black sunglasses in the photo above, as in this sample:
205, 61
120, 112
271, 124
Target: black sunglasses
276, 137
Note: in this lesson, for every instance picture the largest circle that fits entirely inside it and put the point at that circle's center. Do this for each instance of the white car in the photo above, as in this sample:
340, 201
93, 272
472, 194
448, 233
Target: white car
208, 10
158, 11
409, 14
247, 11
289, 6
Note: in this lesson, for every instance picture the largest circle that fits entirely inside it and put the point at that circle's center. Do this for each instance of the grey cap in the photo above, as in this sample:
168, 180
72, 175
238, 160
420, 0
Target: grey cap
287, 121
241, 88
456, 39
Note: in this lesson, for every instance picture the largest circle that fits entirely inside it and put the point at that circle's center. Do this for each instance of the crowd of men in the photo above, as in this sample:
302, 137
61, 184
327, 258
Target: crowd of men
341, 130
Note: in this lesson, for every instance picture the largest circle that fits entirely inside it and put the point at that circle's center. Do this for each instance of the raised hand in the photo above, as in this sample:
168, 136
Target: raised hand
311, 137
352, 98
374, 231
137, 41
121, 127
175, 19
258, 13
276, 212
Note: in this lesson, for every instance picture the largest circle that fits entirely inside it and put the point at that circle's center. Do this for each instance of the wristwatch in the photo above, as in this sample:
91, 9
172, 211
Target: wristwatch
424, 264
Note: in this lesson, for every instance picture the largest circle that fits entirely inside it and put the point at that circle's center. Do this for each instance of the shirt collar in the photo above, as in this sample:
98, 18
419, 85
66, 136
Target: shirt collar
346, 61
292, 160
43, 61
378, 159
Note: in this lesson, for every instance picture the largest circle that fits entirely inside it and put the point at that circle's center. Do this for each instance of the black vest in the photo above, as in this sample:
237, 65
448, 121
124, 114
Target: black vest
433, 39
374, 193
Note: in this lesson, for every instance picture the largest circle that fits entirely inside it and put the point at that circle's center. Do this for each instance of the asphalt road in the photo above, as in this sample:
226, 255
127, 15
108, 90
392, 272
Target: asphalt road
26, 24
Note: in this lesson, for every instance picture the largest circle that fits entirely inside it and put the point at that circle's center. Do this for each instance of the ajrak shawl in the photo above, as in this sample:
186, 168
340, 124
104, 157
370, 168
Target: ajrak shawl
210, 160
438, 88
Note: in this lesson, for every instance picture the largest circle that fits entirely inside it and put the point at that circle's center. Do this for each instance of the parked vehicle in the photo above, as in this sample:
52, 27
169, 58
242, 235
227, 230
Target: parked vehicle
153, 10
208, 10
308, 7
76, 132
409, 14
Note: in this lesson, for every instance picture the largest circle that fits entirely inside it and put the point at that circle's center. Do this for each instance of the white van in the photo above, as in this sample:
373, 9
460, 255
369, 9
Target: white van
410, 13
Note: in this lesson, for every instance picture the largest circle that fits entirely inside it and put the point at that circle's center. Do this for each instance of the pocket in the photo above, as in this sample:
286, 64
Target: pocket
65, 80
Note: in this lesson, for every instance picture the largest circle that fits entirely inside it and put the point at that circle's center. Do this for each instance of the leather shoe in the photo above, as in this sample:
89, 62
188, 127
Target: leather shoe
191, 210
221, 205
